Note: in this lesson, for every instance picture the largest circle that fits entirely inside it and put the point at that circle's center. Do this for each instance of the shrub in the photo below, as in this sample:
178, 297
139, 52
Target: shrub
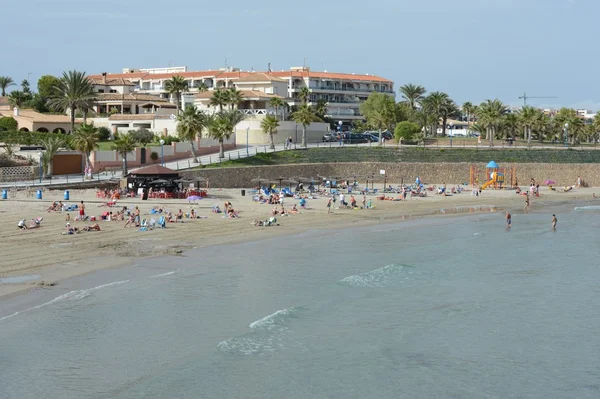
171, 139
103, 133
154, 156
406, 130
8, 123
142, 136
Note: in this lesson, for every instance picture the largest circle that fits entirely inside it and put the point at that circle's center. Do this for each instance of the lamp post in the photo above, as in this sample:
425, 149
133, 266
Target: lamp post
162, 152
247, 130
451, 127
566, 134
40, 154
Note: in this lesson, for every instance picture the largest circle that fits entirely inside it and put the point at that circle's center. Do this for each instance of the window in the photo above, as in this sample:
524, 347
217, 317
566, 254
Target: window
100, 90
113, 91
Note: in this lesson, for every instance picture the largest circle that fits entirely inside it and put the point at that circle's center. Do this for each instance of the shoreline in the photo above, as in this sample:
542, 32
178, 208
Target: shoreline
119, 250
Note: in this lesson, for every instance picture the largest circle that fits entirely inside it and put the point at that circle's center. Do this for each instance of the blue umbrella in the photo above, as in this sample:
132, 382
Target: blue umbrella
194, 198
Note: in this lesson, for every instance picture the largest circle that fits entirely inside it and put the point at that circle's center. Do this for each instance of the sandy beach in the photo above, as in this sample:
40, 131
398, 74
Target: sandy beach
53, 256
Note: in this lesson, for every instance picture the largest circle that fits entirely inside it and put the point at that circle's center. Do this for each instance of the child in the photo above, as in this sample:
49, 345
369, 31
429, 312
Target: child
68, 217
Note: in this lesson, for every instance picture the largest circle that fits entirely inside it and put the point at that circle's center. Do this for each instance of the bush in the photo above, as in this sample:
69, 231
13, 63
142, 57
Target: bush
103, 133
170, 140
154, 156
142, 136
8, 123
406, 130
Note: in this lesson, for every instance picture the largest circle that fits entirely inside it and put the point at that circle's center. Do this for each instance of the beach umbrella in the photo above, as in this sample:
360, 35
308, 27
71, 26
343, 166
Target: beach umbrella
194, 198
259, 180
549, 182
280, 179
182, 181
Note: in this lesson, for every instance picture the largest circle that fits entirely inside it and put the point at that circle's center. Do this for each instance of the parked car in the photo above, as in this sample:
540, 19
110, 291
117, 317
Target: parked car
355, 138
327, 137
371, 137
386, 135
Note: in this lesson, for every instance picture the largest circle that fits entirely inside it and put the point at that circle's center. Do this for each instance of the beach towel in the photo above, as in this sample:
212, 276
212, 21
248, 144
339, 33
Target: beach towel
162, 222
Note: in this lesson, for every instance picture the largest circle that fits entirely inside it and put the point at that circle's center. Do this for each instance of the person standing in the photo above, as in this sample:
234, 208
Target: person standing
554, 221
329, 204
82, 211
508, 220
526, 200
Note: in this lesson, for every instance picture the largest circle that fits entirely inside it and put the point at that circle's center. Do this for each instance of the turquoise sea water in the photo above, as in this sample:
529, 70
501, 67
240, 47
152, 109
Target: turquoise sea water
433, 308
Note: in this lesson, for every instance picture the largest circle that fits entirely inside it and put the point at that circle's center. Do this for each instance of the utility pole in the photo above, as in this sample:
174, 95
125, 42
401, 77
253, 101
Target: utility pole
524, 97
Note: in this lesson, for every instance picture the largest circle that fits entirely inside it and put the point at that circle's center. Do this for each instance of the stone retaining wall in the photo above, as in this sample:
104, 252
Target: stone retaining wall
450, 173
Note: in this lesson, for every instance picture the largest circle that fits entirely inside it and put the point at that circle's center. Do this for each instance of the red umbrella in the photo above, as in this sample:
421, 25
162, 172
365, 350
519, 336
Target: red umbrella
549, 182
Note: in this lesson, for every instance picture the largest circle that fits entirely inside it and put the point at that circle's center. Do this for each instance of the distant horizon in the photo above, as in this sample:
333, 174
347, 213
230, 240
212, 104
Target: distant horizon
470, 49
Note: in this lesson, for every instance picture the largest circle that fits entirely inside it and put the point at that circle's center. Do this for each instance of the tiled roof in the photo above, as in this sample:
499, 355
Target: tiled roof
245, 93
260, 77
35, 116
128, 97
113, 82
242, 74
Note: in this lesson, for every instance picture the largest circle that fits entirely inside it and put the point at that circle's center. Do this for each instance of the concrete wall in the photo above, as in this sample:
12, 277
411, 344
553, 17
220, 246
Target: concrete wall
314, 132
450, 173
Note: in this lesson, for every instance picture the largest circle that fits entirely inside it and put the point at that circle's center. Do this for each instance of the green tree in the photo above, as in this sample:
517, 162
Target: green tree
468, 110
51, 144
321, 108
74, 91
221, 127
5, 83
380, 112
527, 117
103, 133
234, 97
490, 115
509, 125
412, 95
434, 105
304, 116
219, 99
202, 87
175, 86
46, 86
124, 145
190, 125
8, 123
142, 136
406, 130
269, 126
277, 102
85, 139
17, 98
25, 86
304, 94
449, 110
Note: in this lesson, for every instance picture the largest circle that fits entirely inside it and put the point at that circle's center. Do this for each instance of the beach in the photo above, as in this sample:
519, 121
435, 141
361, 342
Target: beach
49, 256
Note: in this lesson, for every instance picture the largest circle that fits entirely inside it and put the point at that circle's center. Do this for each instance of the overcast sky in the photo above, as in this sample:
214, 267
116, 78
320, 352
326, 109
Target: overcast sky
471, 49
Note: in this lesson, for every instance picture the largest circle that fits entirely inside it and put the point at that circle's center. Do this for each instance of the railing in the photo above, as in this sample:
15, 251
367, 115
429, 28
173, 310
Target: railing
331, 88
256, 112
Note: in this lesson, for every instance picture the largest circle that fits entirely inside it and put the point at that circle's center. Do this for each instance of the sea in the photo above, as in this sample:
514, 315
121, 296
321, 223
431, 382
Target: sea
440, 307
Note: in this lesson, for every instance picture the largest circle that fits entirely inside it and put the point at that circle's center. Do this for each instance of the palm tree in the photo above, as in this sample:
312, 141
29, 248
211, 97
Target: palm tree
74, 91
175, 86
304, 116
527, 116
124, 145
219, 99
434, 105
321, 108
52, 144
85, 139
304, 94
277, 102
17, 98
234, 97
596, 125
448, 110
509, 125
221, 127
490, 114
412, 94
190, 125
202, 87
269, 126
468, 110
5, 82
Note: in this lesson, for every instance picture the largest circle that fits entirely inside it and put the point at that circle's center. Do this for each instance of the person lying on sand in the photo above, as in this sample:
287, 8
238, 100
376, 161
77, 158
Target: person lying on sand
35, 223
94, 227
70, 229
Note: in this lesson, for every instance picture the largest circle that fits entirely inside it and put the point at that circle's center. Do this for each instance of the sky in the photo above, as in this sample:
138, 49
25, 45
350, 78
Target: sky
471, 49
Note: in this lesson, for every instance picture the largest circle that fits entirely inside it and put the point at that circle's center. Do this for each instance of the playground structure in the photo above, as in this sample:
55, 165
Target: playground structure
494, 176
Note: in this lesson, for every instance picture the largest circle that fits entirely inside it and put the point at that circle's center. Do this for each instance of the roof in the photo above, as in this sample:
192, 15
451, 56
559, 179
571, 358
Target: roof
39, 117
159, 104
492, 165
242, 75
260, 77
129, 97
245, 93
154, 170
112, 82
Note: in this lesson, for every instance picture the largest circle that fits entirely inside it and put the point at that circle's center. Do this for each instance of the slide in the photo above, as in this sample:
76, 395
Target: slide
489, 182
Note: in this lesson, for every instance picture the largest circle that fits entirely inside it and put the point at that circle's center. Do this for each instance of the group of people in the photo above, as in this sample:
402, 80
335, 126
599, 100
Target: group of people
508, 217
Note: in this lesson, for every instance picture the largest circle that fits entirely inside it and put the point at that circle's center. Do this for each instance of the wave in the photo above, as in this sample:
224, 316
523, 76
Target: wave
269, 334
387, 276
164, 274
69, 296
586, 208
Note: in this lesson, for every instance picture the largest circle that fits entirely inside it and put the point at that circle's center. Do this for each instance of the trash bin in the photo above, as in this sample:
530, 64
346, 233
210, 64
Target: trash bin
66, 195
4, 194
38, 194
243, 193
145, 195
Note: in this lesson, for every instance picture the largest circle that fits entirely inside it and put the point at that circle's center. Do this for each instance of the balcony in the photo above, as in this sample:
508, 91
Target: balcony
348, 89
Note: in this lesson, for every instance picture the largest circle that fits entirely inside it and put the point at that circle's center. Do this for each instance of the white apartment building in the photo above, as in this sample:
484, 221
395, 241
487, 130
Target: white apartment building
343, 92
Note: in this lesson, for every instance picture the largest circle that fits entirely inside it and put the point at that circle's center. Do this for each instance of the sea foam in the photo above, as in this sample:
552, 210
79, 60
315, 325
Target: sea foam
69, 296
587, 208
387, 276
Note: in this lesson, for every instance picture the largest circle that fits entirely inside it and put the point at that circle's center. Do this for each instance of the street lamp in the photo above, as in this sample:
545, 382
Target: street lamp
566, 134
451, 127
162, 152
40, 154
247, 130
